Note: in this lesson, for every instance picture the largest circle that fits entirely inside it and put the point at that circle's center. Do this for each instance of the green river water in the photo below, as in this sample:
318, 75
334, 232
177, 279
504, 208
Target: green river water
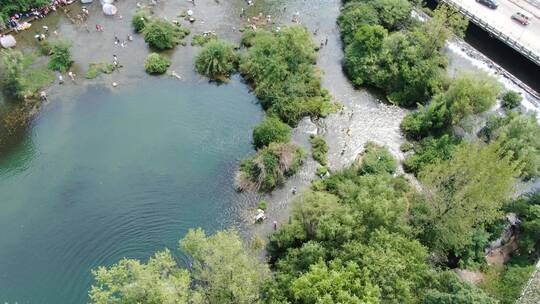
112, 174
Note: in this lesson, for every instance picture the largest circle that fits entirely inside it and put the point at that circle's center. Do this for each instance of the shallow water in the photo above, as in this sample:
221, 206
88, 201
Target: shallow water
112, 174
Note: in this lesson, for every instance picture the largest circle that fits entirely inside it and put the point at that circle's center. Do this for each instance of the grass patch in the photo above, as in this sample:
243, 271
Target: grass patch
96, 69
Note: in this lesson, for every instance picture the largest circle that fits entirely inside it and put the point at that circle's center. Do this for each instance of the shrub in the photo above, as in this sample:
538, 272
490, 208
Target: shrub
96, 69
60, 56
140, 20
511, 99
319, 148
12, 72
263, 204
162, 35
376, 159
321, 171
203, 39
429, 151
281, 67
156, 64
269, 167
217, 60
270, 130
506, 284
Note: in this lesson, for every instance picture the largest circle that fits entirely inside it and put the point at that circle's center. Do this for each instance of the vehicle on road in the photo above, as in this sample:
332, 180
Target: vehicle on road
522, 17
489, 3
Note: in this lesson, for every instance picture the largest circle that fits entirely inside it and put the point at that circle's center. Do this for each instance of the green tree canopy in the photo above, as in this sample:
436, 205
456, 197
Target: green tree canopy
461, 193
224, 269
130, 281
217, 60
272, 129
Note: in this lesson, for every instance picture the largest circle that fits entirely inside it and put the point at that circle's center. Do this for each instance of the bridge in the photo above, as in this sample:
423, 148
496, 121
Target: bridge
498, 22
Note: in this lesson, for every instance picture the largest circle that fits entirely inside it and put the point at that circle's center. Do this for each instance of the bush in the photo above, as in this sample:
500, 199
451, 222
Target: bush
262, 205
429, 151
269, 167
319, 148
281, 67
511, 99
376, 159
60, 56
156, 64
203, 39
217, 60
140, 20
20, 77
162, 35
270, 130
506, 284
96, 69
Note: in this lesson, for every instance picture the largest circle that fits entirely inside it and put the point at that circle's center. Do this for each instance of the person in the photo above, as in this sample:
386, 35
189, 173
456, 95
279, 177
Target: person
116, 40
60, 79
115, 61
326, 41
71, 75
293, 190
275, 225
99, 28
43, 96
129, 37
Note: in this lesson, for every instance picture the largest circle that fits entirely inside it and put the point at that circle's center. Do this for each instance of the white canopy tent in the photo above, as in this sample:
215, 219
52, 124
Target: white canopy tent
8, 41
109, 9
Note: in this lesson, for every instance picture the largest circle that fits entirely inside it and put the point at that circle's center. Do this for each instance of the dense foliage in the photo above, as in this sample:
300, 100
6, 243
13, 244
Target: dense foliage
60, 56
376, 159
430, 150
156, 64
140, 19
20, 76
217, 60
280, 65
162, 35
408, 65
511, 99
527, 208
161, 280
467, 94
270, 130
461, 194
10, 7
319, 148
519, 137
95, 69
349, 241
269, 167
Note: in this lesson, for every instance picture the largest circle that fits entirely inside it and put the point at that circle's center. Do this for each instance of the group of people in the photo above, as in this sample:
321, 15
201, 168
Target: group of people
16, 21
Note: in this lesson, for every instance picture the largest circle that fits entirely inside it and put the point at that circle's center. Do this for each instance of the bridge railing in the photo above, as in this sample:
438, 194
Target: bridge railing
516, 45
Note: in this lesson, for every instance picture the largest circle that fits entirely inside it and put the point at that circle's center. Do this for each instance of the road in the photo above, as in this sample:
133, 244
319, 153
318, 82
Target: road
500, 18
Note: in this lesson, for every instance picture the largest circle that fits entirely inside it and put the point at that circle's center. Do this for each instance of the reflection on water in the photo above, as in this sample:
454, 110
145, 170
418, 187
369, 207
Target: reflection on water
112, 174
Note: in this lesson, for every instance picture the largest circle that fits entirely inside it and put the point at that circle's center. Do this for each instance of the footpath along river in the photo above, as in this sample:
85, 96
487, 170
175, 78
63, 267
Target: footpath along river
108, 173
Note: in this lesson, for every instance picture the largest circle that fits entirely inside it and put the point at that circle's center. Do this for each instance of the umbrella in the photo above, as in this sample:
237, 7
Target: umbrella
109, 9
8, 41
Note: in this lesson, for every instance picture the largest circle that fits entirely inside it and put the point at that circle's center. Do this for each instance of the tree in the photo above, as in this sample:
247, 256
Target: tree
511, 99
461, 193
217, 60
162, 35
156, 64
269, 167
272, 129
376, 159
519, 137
448, 288
319, 148
140, 19
224, 269
430, 150
353, 16
129, 281
392, 13
335, 283
12, 74
395, 263
60, 56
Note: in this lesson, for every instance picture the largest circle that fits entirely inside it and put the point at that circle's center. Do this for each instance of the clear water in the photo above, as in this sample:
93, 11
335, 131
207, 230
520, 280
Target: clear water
112, 174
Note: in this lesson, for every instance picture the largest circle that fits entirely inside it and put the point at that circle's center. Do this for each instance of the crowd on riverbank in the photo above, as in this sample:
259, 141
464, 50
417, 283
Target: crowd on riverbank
17, 20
